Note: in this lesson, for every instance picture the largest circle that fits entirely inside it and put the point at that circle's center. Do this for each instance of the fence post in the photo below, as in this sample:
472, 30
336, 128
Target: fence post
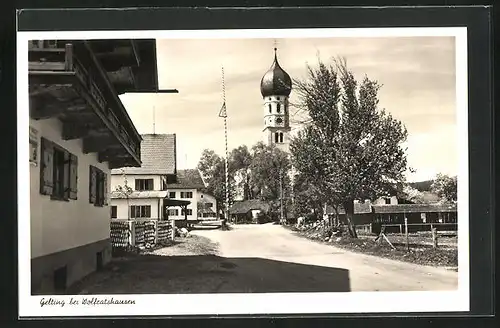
131, 225
406, 232
434, 238
156, 231
173, 229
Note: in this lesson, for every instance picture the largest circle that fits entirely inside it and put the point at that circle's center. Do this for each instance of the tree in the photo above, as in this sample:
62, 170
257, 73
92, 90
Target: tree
125, 191
349, 148
240, 161
269, 172
212, 167
445, 187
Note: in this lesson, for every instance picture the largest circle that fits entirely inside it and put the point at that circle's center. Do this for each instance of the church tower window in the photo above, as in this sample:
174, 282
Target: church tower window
269, 108
281, 137
278, 107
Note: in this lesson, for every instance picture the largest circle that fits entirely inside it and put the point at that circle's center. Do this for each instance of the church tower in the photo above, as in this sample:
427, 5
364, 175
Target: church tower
275, 88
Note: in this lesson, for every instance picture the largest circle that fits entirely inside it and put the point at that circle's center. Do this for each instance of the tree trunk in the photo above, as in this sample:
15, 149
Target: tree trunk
349, 213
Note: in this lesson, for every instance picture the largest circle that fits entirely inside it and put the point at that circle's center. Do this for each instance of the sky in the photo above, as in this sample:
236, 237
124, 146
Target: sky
417, 76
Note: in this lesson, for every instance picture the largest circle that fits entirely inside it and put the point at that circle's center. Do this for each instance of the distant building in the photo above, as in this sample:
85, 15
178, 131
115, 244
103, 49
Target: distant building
79, 131
159, 190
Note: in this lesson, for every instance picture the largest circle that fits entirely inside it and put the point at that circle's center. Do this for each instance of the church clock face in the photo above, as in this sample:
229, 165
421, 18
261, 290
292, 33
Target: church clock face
279, 120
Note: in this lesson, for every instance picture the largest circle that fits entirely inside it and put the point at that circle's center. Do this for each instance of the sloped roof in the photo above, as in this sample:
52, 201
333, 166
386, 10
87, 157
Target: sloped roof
359, 208
415, 208
244, 206
139, 194
187, 179
158, 156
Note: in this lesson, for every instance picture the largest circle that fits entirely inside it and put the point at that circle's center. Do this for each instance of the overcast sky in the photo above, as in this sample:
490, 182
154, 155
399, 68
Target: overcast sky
417, 74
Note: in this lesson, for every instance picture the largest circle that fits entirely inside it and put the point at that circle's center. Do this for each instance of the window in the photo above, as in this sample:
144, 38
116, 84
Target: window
281, 136
171, 194
98, 187
276, 137
270, 108
201, 196
114, 212
388, 201
186, 194
189, 211
144, 184
58, 172
140, 211
278, 107
173, 212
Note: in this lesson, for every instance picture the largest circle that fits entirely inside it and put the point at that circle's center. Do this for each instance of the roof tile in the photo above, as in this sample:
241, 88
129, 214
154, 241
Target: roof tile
158, 156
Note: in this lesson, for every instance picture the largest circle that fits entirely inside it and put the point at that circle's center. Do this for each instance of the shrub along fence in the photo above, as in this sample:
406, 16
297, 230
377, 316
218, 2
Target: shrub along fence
129, 234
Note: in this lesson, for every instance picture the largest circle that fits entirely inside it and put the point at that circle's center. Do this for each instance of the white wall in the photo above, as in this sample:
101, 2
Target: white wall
122, 209
117, 180
193, 206
59, 225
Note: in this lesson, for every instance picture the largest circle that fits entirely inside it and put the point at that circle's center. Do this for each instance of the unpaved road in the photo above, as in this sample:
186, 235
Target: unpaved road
260, 258
300, 262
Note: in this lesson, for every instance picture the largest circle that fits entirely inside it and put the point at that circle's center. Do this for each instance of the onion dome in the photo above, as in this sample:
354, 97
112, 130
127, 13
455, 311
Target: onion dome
276, 82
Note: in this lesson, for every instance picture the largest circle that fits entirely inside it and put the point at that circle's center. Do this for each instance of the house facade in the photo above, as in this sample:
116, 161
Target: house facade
157, 189
147, 184
79, 131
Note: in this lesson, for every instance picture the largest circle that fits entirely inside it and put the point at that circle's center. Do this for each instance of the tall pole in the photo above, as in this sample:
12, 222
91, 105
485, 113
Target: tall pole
226, 216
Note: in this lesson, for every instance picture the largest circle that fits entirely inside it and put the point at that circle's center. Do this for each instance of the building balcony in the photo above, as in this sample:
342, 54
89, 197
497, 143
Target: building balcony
79, 83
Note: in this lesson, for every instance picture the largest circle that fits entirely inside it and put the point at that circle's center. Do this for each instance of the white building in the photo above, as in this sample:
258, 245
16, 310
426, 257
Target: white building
79, 131
275, 88
157, 189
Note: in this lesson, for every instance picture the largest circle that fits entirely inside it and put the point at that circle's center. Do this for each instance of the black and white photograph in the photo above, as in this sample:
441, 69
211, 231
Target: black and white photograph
243, 171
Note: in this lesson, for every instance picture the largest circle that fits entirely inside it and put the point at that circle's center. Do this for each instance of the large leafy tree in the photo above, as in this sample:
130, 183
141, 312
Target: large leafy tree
212, 167
269, 172
240, 160
349, 148
445, 187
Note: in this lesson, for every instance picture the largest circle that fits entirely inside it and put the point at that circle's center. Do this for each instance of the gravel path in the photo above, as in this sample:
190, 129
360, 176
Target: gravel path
259, 258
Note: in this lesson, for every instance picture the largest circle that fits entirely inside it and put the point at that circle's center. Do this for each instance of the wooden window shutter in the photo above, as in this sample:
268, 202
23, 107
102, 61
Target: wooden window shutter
92, 185
67, 175
73, 185
105, 188
46, 167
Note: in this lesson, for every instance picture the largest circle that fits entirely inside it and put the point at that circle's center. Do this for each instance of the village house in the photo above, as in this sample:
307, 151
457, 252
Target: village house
79, 131
158, 190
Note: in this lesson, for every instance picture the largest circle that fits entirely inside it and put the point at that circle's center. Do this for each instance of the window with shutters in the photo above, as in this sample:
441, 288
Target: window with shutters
58, 172
173, 212
114, 212
144, 184
140, 211
171, 194
186, 194
98, 187
188, 211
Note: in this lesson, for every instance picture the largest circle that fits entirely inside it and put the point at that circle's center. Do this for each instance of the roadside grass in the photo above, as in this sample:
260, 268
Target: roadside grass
420, 250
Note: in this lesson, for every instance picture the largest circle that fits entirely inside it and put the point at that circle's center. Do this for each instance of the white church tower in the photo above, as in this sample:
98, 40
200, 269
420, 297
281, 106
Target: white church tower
275, 88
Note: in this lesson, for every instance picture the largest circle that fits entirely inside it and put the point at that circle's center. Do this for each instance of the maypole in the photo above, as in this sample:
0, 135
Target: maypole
223, 114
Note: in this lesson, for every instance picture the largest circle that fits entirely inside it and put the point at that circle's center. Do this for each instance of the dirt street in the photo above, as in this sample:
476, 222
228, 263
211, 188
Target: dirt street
365, 273
260, 258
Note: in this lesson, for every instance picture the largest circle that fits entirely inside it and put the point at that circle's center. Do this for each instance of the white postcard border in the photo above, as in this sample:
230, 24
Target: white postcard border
220, 304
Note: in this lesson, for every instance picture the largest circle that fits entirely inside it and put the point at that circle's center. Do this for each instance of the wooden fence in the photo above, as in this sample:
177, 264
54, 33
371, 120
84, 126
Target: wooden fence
127, 234
412, 227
